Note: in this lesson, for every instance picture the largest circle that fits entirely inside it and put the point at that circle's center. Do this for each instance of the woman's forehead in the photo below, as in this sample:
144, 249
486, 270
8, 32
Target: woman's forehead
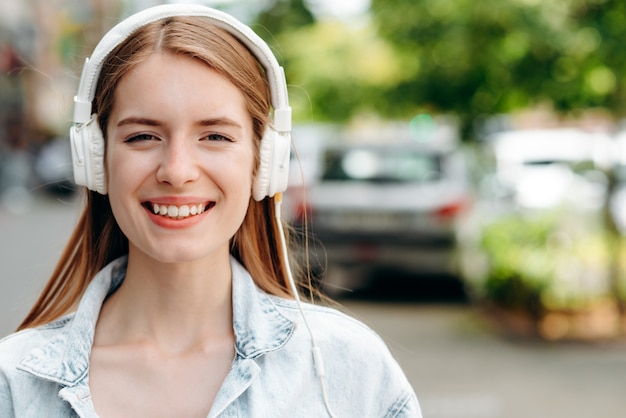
170, 86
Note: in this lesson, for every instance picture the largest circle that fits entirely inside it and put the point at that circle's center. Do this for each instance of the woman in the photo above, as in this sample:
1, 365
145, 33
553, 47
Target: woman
174, 296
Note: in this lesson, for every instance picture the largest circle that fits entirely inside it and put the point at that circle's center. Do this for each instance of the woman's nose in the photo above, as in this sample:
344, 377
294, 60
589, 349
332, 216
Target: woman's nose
178, 164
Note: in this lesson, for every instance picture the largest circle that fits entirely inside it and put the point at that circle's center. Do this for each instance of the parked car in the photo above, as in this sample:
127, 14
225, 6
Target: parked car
544, 168
383, 206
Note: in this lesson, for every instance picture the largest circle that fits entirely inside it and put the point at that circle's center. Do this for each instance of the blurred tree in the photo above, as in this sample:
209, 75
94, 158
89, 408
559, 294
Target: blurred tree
607, 18
604, 22
473, 58
337, 71
284, 15
605, 70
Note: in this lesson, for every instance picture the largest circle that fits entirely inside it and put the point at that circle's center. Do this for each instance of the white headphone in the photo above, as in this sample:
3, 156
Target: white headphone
86, 136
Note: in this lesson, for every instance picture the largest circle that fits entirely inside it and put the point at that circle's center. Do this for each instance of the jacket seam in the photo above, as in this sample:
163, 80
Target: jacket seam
397, 407
322, 310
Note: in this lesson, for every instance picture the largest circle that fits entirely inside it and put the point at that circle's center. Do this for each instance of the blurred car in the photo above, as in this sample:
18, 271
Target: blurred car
53, 168
544, 168
384, 206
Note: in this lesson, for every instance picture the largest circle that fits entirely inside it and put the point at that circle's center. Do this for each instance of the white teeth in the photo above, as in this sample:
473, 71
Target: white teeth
179, 212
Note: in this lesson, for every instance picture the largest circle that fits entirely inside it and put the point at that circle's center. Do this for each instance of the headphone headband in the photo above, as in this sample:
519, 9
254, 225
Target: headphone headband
121, 31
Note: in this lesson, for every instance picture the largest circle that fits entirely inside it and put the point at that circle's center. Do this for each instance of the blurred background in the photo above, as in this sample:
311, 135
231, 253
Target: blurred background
458, 181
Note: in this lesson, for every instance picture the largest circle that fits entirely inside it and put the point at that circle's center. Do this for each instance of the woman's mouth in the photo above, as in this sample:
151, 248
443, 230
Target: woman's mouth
178, 211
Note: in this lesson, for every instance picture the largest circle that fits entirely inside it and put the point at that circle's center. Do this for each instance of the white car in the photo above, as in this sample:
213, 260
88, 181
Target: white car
384, 206
544, 168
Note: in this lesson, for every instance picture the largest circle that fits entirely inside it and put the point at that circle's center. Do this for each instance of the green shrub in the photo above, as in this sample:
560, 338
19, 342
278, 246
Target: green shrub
545, 260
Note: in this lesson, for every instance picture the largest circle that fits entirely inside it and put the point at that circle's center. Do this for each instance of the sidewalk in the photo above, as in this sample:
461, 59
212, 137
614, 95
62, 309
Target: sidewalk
460, 368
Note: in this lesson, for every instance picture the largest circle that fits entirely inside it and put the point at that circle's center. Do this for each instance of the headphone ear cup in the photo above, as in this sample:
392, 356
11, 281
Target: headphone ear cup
261, 184
273, 171
88, 155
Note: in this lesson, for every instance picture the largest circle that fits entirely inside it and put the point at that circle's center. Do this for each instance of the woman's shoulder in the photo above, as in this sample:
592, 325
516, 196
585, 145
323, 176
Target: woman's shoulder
353, 355
331, 317
338, 331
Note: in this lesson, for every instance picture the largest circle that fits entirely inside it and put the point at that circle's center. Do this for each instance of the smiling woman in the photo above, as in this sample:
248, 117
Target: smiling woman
174, 296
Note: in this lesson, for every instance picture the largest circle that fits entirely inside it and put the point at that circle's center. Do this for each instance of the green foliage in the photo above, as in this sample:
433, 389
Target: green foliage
342, 71
285, 15
452, 56
496, 56
520, 264
545, 260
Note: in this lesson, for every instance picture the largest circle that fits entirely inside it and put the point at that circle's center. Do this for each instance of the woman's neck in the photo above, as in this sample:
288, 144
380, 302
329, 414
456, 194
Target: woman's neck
177, 306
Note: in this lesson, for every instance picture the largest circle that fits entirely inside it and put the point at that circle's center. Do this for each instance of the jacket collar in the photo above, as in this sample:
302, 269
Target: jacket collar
258, 326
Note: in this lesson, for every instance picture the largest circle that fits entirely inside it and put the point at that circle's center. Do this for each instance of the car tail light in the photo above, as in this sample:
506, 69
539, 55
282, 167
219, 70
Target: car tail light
302, 211
451, 210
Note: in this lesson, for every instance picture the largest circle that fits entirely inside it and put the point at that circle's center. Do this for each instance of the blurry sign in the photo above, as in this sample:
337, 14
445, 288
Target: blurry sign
422, 128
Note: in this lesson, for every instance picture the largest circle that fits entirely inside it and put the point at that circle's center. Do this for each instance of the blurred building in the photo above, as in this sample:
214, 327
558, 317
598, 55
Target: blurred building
42, 47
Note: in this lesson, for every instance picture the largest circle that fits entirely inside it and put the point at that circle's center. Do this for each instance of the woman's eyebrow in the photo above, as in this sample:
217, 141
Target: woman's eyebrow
138, 121
220, 121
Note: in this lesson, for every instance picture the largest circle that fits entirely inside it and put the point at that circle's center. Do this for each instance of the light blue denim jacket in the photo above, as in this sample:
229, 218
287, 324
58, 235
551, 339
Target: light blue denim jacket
44, 372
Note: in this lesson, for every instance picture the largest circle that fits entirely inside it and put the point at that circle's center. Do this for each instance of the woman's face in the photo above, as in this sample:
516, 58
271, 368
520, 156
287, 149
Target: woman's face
179, 160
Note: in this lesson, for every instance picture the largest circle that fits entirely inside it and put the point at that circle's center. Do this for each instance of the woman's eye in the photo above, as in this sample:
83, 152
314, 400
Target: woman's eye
141, 137
217, 137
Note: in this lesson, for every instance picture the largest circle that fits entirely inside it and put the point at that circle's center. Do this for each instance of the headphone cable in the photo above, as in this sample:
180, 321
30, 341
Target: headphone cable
317, 354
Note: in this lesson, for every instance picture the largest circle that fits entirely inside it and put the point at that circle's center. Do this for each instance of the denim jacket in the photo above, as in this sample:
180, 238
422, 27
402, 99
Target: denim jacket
44, 371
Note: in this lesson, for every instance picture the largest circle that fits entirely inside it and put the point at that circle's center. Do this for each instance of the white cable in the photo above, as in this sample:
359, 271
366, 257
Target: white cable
317, 354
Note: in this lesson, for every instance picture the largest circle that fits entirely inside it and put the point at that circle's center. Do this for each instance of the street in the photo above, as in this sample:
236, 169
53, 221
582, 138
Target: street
457, 364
